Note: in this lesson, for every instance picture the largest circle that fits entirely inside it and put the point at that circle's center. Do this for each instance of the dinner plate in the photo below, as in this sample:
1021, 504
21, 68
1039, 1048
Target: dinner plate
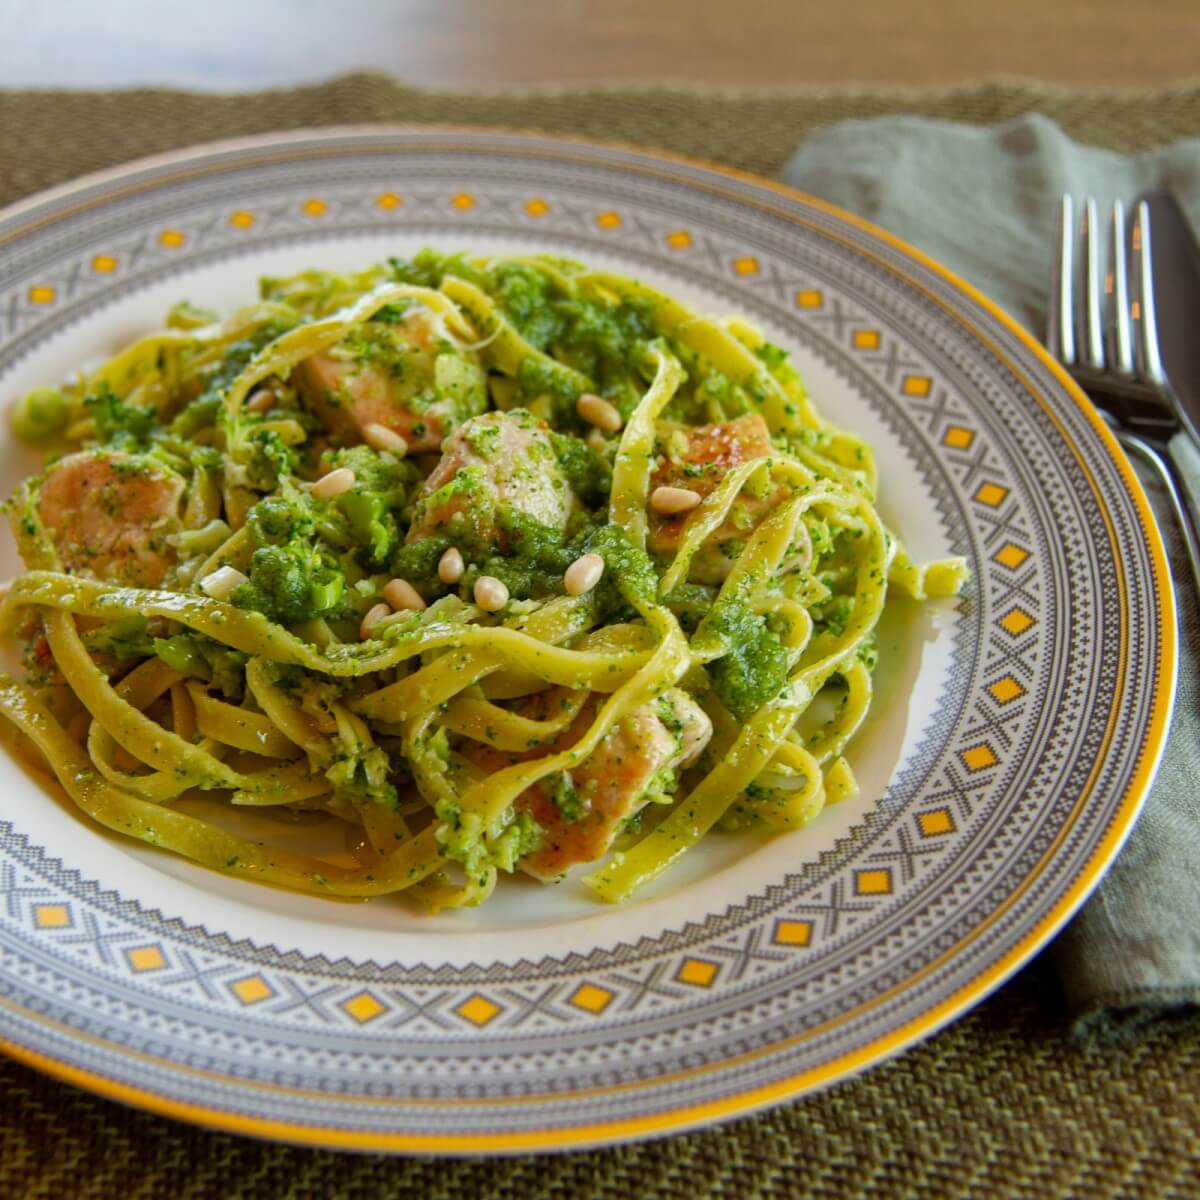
1014, 734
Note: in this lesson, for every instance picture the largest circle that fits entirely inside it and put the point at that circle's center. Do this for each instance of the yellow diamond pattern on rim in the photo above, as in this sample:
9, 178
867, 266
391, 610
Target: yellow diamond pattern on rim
977, 758
699, 972
314, 207
866, 339
609, 220
241, 219
146, 958
916, 385
41, 293
537, 207
51, 916
479, 1010
1010, 555
364, 1007
387, 201
172, 238
746, 265
462, 201
991, 494
809, 298
936, 822
590, 998
251, 989
792, 933
958, 438
1006, 689
877, 882
104, 264
1015, 621
679, 239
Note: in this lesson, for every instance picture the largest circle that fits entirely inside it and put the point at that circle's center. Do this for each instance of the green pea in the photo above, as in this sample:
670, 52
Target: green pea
40, 414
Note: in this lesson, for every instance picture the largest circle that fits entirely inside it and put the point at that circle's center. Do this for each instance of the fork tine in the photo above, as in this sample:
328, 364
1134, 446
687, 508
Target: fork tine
1145, 322
1060, 336
1121, 343
1093, 326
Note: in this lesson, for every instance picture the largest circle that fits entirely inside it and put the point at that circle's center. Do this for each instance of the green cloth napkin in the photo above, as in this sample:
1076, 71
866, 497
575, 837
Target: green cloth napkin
984, 203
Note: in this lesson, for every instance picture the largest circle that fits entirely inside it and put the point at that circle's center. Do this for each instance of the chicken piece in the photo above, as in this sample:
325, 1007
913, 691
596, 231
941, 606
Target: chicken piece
496, 461
699, 459
109, 514
394, 375
582, 811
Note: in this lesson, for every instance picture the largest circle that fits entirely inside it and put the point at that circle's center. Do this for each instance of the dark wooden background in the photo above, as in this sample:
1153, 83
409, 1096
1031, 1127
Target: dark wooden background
242, 44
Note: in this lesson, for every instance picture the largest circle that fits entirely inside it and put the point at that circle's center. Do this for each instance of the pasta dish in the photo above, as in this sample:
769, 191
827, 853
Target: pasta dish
488, 564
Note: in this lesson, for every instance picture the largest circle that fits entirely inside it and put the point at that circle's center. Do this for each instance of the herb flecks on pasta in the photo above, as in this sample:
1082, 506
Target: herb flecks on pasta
493, 564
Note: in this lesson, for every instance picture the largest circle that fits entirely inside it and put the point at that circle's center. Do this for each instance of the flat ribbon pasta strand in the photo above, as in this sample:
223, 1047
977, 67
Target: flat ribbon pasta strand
635, 454
199, 840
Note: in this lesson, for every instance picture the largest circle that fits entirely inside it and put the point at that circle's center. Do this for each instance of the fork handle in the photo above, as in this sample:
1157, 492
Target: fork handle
1183, 461
1177, 465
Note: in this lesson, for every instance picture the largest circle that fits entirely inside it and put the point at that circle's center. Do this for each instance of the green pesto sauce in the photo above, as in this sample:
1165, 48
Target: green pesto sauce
755, 665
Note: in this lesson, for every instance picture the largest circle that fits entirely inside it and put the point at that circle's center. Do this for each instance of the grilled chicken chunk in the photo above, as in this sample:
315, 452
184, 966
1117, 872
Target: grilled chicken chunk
581, 811
493, 462
396, 375
109, 514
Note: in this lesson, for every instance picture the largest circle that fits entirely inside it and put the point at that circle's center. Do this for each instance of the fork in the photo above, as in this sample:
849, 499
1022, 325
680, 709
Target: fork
1104, 332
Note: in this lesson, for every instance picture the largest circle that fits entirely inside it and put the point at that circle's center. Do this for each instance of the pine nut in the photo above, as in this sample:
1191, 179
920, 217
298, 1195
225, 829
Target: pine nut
583, 574
596, 440
401, 594
380, 437
333, 484
451, 566
490, 593
222, 582
670, 500
372, 618
597, 411
262, 401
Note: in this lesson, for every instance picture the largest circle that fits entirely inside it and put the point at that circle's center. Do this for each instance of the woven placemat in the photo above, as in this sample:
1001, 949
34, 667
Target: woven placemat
1001, 1103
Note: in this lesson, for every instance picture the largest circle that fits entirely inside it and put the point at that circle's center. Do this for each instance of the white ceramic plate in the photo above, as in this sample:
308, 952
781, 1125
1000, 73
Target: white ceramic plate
1013, 738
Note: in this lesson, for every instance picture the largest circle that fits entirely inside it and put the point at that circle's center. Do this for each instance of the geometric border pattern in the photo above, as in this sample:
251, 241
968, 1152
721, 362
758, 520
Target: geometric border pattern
1028, 770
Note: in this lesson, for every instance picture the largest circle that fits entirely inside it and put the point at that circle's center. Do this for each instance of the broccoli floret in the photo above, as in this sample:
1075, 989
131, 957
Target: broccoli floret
121, 425
269, 459
282, 517
522, 835
360, 774
126, 638
383, 485
463, 839
200, 656
291, 582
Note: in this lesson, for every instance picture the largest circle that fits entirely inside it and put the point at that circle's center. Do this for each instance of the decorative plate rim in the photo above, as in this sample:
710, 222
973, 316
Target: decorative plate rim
840, 1066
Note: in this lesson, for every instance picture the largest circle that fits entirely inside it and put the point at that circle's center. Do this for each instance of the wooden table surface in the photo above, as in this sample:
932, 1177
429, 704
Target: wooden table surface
243, 44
